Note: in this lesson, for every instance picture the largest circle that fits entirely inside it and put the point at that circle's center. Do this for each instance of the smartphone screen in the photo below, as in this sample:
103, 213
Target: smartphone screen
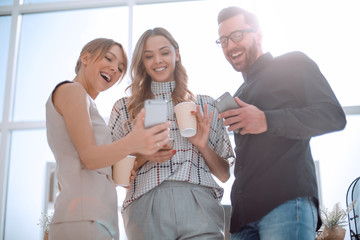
156, 112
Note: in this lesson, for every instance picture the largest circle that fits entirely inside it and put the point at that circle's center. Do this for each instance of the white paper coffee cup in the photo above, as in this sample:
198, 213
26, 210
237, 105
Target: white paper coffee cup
186, 120
121, 171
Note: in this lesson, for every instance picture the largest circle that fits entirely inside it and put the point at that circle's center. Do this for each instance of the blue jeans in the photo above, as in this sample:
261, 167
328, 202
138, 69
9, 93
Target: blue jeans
293, 220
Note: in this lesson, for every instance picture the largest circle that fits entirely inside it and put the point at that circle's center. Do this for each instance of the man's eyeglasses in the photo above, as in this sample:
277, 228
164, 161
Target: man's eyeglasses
235, 36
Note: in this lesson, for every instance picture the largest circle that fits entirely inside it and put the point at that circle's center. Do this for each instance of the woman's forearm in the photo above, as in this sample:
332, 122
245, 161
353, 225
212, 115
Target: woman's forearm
217, 165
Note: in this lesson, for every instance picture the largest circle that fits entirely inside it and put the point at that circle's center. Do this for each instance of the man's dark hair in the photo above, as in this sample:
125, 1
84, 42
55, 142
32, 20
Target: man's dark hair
230, 12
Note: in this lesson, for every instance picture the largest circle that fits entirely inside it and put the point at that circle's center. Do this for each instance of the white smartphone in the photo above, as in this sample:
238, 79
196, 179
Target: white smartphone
156, 112
226, 102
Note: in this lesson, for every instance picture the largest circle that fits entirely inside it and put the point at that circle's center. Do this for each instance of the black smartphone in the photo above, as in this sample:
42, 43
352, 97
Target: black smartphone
226, 102
156, 112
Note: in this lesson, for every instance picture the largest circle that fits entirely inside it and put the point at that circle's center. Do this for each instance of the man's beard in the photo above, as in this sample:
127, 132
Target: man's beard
250, 58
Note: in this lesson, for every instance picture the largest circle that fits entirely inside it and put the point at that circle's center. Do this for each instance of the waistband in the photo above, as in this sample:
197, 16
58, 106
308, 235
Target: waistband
172, 184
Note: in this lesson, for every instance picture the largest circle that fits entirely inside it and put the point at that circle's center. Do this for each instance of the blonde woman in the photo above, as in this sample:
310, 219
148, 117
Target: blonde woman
80, 140
174, 195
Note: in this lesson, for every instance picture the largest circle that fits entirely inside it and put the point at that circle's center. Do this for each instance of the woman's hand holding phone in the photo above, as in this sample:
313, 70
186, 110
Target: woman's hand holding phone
148, 140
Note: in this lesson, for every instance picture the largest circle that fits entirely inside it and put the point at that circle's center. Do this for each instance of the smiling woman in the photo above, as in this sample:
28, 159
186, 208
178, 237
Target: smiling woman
109, 63
77, 130
83, 148
188, 170
159, 59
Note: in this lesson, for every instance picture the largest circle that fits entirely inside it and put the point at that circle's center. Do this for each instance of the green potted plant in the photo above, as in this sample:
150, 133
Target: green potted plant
334, 222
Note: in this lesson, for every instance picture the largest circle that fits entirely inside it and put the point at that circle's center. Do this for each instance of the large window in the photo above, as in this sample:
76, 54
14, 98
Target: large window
43, 39
49, 48
46, 1
6, 2
338, 154
5, 22
26, 191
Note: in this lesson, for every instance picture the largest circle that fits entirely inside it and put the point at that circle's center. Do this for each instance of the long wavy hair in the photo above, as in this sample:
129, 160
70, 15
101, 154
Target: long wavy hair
140, 87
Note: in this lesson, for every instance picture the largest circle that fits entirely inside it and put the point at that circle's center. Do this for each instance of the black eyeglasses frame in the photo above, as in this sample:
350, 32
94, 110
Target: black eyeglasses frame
242, 31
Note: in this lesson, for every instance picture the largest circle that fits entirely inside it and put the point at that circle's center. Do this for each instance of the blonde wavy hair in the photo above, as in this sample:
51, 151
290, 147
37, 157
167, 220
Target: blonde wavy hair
140, 87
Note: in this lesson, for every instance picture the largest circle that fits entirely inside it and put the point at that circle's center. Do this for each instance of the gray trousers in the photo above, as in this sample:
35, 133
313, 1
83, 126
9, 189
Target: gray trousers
175, 211
86, 230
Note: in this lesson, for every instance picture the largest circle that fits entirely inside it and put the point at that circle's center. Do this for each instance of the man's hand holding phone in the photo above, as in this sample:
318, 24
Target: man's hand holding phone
247, 118
225, 103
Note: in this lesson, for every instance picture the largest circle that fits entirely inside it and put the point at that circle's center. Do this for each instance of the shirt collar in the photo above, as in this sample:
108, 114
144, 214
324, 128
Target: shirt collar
162, 87
259, 64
